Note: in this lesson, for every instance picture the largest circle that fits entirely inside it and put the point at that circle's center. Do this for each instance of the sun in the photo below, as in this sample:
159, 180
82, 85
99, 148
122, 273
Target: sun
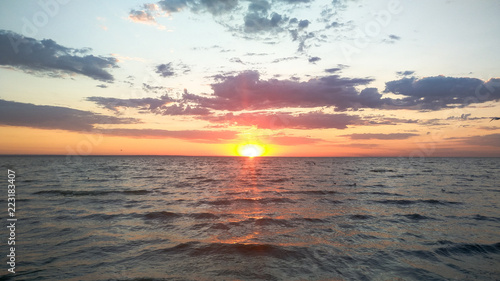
250, 150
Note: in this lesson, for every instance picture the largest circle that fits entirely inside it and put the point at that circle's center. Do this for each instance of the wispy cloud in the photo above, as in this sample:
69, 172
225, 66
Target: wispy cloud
293, 140
163, 105
491, 140
395, 136
191, 135
115, 104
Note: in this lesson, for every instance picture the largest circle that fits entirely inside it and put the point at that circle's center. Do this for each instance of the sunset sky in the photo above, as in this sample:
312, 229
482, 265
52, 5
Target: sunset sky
295, 77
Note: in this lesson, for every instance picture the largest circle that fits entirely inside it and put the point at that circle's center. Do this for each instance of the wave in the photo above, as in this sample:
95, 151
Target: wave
278, 180
421, 254
416, 217
166, 215
92, 192
484, 218
100, 217
312, 192
197, 249
381, 170
204, 216
269, 222
219, 226
313, 220
468, 249
377, 185
360, 217
330, 201
380, 193
163, 215
411, 202
245, 201
209, 180
196, 178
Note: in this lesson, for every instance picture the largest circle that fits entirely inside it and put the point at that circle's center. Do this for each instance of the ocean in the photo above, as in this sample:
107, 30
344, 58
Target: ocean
264, 218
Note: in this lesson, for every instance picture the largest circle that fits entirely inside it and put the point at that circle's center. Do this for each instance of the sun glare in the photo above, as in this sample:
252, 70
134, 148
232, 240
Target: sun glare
250, 150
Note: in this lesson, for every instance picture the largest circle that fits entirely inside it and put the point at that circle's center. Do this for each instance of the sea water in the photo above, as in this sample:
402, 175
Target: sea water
231, 218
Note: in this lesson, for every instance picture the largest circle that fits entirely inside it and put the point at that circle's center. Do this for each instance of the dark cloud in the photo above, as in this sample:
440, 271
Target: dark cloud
143, 103
148, 12
214, 7
68, 119
259, 6
54, 117
102, 86
295, 1
163, 105
264, 120
405, 73
165, 70
304, 23
295, 34
246, 91
438, 92
284, 59
333, 70
314, 59
141, 16
236, 60
334, 24
48, 57
172, 6
394, 37
154, 89
382, 120
260, 19
254, 22
303, 40
464, 117
396, 136
303, 121
181, 109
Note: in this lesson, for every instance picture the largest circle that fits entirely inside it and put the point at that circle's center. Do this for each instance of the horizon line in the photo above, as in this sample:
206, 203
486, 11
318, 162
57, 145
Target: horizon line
232, 156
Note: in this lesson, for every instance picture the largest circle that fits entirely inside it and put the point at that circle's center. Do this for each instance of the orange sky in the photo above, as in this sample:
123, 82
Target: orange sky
297, 78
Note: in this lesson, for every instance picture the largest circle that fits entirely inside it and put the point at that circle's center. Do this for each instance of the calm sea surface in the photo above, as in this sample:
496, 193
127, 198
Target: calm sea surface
224, 218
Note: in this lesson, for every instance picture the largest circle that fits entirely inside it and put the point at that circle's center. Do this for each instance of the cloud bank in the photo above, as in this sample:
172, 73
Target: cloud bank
439, 92
246, 91
68, 119
54, 117
48, 57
